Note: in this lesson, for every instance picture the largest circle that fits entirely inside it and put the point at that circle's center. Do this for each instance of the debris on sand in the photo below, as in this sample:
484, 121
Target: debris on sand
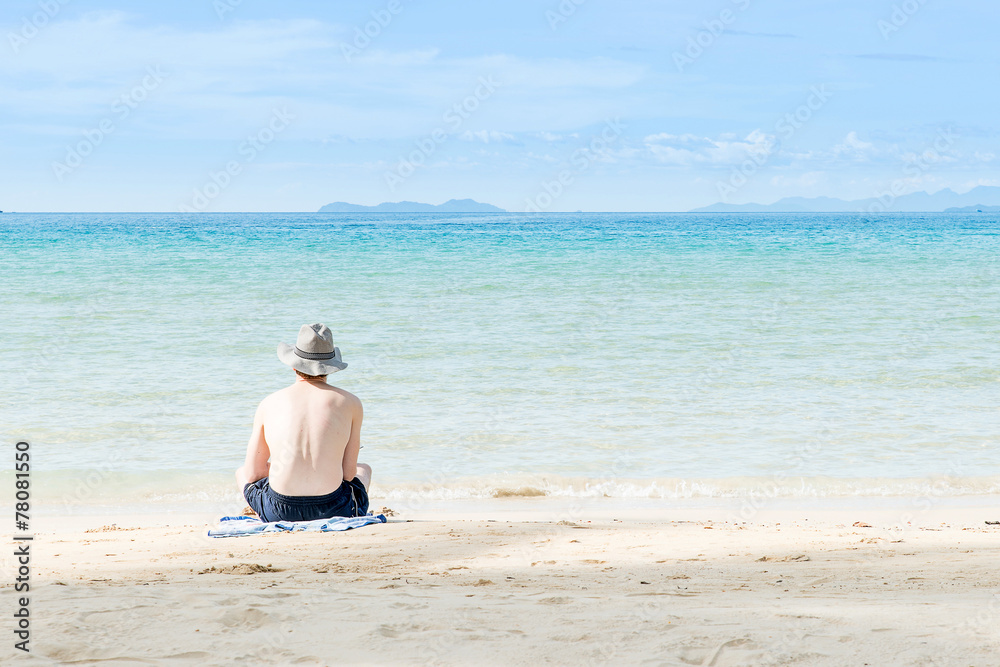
240, 568
107, 529
783, 559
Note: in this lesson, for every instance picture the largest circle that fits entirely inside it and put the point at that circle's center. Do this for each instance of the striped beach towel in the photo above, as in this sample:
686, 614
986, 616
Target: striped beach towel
239, 526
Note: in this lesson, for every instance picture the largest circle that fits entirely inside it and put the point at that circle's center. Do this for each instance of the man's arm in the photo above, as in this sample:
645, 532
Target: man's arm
350, 464
256, 466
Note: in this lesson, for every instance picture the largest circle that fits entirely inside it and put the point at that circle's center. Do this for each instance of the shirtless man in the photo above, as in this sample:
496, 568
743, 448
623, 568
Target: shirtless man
311, 432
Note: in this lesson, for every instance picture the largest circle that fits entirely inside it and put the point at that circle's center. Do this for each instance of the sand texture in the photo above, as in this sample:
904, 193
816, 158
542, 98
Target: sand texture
486, 590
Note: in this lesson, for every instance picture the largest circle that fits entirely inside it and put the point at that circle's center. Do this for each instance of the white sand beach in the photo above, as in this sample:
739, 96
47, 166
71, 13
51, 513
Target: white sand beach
509, 583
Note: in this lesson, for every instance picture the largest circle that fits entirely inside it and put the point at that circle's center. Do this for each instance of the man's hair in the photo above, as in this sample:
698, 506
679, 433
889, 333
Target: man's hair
304, 376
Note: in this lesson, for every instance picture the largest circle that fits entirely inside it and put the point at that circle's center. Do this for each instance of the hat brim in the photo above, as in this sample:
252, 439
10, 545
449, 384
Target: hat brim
286, 353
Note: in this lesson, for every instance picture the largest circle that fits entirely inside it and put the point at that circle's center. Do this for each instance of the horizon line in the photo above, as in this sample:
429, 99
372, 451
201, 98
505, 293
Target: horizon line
694, 212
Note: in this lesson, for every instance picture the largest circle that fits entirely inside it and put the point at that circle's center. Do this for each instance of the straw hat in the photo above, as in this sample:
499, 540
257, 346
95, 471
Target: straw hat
314, 352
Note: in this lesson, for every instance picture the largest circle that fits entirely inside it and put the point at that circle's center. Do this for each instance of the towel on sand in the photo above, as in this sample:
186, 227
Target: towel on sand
236, 526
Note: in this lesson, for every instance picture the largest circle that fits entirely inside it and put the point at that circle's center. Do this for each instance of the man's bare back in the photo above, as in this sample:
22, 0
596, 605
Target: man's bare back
311, 431
302, 458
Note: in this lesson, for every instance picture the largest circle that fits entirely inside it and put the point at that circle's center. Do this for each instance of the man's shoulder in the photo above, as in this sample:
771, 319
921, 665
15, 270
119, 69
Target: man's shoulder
347, 397
273, 398
278, 394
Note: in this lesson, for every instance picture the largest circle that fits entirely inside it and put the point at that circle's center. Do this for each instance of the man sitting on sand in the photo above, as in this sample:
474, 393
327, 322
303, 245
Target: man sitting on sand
311, 432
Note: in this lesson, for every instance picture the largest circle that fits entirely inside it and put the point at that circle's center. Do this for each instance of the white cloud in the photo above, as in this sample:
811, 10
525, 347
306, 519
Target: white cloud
376, 58
689, 149
930, 157
546, 158
227, 76
552, 137
487, 136
805, 182
854, 148
968, 185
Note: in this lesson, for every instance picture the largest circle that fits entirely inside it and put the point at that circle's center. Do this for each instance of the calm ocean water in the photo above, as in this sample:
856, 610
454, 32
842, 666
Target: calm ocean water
648, 355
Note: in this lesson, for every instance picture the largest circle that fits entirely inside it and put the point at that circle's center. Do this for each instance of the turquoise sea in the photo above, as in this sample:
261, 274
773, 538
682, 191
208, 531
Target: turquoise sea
657, 356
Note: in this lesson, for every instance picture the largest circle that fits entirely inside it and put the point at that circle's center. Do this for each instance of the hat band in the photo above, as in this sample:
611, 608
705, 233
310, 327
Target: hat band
316, 356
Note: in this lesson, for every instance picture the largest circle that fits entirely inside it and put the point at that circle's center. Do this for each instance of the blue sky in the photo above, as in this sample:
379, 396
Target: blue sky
222, 105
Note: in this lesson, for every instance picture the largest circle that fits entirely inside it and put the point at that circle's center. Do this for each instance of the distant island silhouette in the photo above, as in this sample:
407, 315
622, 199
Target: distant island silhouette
450, 206
983, 197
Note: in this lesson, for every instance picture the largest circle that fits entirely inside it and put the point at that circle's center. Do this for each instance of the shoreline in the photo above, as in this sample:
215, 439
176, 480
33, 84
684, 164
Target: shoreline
889, 511
107, 491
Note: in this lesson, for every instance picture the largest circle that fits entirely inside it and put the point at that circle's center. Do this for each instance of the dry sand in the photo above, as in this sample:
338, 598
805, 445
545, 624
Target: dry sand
495, 586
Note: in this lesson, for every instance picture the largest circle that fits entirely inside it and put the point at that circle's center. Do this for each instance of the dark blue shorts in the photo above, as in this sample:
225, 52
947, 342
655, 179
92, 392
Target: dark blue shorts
351, 499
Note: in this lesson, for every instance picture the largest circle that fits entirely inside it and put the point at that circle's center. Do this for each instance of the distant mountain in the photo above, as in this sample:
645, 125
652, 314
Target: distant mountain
978, 208
941, 200
450, 206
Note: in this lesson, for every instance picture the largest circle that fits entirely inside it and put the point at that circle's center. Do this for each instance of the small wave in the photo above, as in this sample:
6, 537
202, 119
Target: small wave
523, 492
67, 489
690, 489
